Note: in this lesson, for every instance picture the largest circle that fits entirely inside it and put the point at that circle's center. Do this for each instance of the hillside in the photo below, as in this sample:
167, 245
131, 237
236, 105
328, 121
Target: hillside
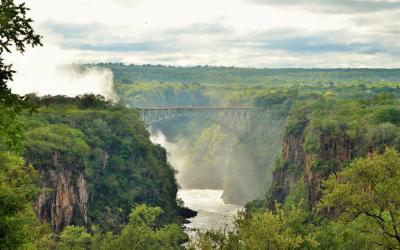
97, 161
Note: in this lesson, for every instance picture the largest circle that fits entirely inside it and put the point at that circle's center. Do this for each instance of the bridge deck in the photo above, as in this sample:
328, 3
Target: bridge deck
197, 108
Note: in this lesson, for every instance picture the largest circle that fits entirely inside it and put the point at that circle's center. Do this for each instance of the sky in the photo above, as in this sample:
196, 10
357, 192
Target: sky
242, 33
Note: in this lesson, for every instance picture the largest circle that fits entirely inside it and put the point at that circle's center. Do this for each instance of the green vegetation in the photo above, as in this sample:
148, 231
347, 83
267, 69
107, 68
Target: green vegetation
141, 232
262, 230
232, 75
17, 189
368, 191
110, 145
15, 32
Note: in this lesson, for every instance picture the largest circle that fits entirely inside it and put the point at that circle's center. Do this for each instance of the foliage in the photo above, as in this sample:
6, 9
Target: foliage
17, 191
297, 196
141, 232
44, 141
389, 114
74, 238
369, 189
341, 235
262, 230
328, 78
15, 27
15, 30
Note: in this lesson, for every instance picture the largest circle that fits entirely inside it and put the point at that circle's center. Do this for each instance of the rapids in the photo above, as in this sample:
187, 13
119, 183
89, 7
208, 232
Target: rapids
213, 213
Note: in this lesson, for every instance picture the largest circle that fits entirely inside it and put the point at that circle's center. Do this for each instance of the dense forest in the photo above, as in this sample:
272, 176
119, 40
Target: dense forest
230, 75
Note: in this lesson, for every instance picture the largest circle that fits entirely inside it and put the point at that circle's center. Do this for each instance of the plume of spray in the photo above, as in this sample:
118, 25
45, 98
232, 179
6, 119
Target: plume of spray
175, 158
49, 71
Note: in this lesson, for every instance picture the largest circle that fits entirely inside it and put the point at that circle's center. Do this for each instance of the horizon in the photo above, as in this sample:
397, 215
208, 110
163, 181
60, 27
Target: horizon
222, 66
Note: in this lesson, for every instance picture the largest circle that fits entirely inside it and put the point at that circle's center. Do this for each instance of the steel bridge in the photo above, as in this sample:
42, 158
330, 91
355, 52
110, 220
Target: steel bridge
237, 120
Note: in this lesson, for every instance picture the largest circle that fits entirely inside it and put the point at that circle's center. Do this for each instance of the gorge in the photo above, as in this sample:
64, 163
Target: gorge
98, 160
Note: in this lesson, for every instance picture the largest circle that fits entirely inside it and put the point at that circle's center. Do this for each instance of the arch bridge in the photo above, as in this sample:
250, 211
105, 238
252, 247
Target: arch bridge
236, 120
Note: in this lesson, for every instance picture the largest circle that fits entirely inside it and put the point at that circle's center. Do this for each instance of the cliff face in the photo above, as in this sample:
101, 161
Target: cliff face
288, 171
292, 150
330, 154
64, 196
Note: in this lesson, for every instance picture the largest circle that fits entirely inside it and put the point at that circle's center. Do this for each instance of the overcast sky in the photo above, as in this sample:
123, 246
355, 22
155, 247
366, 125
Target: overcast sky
251, 33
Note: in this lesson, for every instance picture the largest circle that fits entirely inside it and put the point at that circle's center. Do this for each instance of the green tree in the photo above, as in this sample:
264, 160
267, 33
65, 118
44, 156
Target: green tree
369, 190
17, 191
74, 238
142, 232
15, 31
263, 230
389, 114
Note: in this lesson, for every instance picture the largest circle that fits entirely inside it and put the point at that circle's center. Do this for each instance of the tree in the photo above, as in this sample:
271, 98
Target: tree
17, 191
369, 190
18, 222
388, 114
262, 230
15, 31
142, 233
74, 238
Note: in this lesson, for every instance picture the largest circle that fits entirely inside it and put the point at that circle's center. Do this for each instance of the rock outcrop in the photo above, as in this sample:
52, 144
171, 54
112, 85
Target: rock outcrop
330, 154
64, 196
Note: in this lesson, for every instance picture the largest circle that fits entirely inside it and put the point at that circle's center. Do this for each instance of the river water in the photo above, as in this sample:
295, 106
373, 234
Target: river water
213, 212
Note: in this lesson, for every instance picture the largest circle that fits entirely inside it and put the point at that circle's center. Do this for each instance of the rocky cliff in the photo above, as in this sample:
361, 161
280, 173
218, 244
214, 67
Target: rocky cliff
64, 196
329, 154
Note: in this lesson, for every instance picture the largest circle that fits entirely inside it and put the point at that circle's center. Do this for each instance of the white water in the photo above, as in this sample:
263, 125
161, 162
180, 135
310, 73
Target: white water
213, 213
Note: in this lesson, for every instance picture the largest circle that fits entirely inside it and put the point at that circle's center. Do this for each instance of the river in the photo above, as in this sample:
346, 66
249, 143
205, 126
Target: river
213, 212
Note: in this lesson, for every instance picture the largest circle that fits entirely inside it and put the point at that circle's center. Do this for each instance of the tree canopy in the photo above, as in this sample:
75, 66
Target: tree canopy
369, 190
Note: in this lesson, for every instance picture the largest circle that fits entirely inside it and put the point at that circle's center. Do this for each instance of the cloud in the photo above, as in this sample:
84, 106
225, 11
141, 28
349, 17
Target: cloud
336, 6
94, 37
318, 44
71, 30
260, 33
122, 47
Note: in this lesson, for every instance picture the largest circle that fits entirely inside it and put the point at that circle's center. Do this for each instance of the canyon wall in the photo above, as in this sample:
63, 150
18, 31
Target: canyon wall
64, 197
329, 154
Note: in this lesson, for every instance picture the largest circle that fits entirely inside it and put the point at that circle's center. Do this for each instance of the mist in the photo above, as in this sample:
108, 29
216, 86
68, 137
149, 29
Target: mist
50, 71
174, 153
213, 158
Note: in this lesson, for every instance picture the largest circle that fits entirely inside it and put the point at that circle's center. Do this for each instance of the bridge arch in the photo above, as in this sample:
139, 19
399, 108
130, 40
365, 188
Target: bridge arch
237, 120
